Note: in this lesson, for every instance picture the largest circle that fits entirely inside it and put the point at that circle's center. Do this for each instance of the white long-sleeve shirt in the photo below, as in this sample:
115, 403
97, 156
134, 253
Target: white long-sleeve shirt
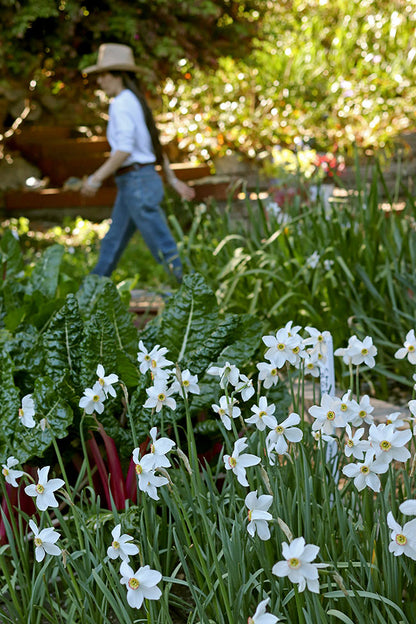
127, 130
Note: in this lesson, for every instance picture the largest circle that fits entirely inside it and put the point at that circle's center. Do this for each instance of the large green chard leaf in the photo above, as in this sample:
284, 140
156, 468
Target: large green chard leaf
45, 275
10, 256
100, 346
9, 406
100, 294
61, 342
24, 443
188, 320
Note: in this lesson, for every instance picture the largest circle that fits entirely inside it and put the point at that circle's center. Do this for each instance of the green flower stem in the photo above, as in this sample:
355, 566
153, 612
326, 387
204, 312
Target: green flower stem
299, 606
84, 450
129, 416
357, 383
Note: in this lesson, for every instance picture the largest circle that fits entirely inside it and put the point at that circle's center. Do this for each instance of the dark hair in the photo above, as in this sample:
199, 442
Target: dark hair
130, 82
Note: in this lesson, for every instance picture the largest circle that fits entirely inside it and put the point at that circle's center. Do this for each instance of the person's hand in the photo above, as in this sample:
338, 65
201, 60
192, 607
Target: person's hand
185, 191
90, 186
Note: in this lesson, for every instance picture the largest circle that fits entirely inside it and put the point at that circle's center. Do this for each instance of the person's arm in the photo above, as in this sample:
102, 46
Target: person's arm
185, 191
110, 166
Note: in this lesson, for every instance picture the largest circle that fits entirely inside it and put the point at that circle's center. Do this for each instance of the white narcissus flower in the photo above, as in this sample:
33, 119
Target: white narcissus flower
313, 260
44, 490
403, 540
245, 387
159, 396
261, 617
258, 516
409, 348
276, 441
311, 363
268, 374
263, 415
10, 475
159, 448
106, 382
93, 399
238, 462
45, 541
120, 546
228, 374
389, 443
396, 419
354, 445
315, 341
327, 415
140, 585
408, 508
298, 566
348, 407
365, 410
226, 410
27, 411
187, 383
363, 352
366, 473
147, 480
346, 352
153, 360
282, 347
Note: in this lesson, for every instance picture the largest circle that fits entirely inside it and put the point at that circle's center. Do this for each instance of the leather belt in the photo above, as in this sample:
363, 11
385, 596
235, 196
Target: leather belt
132, 167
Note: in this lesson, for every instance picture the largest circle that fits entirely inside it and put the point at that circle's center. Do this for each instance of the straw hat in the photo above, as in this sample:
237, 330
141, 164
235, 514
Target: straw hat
113, 57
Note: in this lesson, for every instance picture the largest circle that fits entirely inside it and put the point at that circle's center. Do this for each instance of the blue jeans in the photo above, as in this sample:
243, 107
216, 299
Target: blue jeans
137, 206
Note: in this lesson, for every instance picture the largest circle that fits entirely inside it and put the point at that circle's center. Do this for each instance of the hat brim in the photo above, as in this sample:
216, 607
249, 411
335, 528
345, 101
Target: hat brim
100, 69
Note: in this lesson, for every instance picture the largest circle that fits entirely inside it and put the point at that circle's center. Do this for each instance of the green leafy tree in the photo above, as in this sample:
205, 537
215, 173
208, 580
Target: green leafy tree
57, 37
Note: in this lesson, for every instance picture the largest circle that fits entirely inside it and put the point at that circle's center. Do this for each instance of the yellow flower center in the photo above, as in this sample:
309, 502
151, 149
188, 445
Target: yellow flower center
364, 351
385, 445
309, 365
330, 415
279, 429
115, 545
21, 412
152, 448
154, 363
233, 462
273, 372
185, 382
320, 338
101, 381
5, 472
295, 350
133, 583
221, 411
161, 397
139, 469
362, 413
95, 398
249, 515
344, 407
38, 541
147, 357
281, 346
250, 620
411, 348
294, 563
401, 539
365, 469
261, 414
350, 443
40, 489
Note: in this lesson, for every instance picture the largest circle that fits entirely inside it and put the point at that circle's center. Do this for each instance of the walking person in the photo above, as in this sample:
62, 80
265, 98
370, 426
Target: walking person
135, 151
